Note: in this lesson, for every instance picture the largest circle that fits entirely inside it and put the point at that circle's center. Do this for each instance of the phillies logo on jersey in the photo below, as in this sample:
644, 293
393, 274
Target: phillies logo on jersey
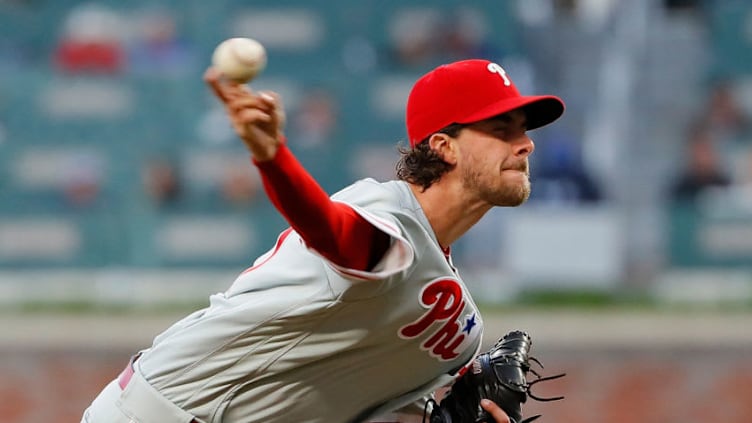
444, 302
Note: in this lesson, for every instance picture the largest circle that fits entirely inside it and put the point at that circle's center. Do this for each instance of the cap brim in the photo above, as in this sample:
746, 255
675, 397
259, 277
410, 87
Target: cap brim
540, 110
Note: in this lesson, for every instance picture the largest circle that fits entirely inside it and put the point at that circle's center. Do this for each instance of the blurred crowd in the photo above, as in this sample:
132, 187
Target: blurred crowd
93, 79
717, 147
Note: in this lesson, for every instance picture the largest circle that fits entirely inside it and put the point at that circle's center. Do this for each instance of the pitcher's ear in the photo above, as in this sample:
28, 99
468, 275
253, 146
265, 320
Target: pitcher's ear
445, 146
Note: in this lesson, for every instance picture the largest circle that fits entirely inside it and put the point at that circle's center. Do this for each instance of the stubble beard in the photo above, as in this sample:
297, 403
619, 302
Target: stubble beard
508, 195
513, 195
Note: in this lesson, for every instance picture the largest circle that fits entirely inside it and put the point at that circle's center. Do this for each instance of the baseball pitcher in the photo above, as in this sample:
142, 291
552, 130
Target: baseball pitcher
357, 311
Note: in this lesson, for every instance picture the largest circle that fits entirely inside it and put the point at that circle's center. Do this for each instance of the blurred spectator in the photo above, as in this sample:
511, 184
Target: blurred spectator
724, 116
426, 36
240, 185
587, 14
566, 6
465, 34
682, 5
161, 182
82, 180
315, 119
91, 41
702, 170
156, 47
413, 33
314, 135
559, 174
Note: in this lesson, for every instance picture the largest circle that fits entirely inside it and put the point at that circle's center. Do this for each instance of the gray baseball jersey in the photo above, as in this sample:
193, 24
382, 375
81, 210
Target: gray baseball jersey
298, 339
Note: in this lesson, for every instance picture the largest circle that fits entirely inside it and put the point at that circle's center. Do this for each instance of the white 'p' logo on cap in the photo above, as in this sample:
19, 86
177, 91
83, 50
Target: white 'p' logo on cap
497, 69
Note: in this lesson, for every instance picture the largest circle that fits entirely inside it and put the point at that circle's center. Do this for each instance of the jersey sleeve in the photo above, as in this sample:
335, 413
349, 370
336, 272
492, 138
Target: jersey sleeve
331, 229
397, 257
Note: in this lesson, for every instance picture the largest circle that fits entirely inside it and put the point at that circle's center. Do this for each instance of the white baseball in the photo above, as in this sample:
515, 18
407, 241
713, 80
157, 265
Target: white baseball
239, 59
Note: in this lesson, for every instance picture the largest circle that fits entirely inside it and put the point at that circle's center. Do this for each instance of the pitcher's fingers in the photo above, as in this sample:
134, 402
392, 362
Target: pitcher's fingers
234, 89
274, 102
271, 98
248, 102
253, 116
495, 411
212, 78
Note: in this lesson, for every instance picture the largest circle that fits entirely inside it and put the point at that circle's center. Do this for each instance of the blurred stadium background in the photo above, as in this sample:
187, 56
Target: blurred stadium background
125, 197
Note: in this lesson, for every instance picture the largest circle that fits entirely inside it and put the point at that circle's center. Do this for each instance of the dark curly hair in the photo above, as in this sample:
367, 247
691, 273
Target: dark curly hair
421, 165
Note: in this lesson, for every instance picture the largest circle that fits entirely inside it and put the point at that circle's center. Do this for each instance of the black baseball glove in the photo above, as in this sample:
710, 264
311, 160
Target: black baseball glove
499, 375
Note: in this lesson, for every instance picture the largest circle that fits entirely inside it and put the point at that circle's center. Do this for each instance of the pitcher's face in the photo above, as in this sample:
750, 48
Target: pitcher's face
493, 159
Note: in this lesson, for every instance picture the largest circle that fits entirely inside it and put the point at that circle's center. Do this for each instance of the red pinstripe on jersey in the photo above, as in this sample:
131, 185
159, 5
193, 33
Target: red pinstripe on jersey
268, 257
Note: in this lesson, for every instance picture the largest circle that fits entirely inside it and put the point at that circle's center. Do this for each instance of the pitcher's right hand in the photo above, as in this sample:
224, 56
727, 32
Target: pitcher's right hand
258, 118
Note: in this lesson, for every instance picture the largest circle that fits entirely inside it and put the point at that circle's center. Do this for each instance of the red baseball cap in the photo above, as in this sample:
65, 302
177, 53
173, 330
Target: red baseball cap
470, 91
